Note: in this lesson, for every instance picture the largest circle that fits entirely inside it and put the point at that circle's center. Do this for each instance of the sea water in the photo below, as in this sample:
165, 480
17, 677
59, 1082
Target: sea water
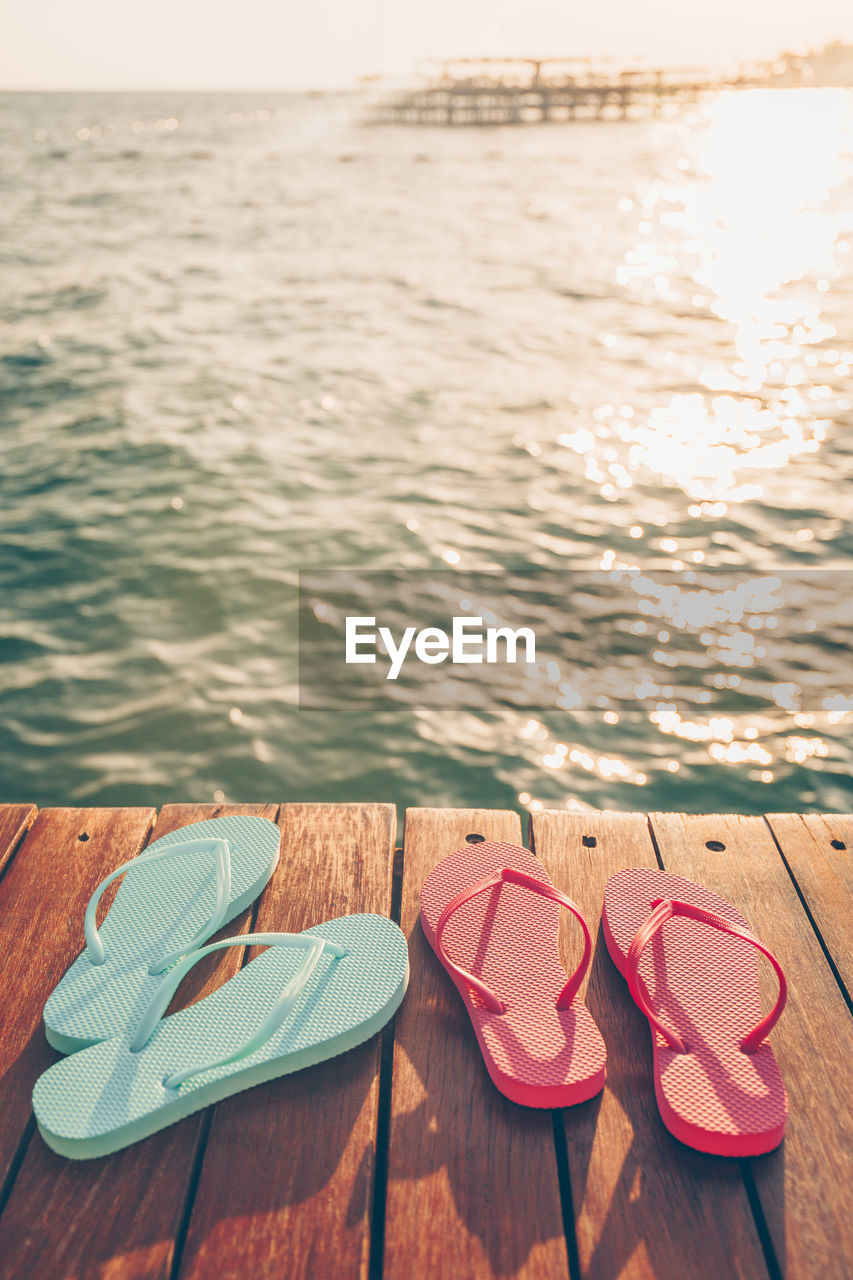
245, 336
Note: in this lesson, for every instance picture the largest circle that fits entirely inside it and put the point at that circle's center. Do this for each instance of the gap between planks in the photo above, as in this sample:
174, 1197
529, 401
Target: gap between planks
473, 1186
804, 1186
304, 1207
644, 1204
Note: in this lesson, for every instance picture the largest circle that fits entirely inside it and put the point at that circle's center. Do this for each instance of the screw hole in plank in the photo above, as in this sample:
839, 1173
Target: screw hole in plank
84, 835
475, 838
838, 844
716, 846
589, 841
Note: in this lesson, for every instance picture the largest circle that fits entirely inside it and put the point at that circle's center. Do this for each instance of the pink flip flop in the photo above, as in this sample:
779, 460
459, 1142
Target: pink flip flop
492, 915
689, 960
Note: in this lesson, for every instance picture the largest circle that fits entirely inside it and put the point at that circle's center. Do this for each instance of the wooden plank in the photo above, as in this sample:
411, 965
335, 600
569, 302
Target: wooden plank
805, 1186
818, 849
472, 1178
117, 1216
15, 822
645, 1205
287, 1181
42, 897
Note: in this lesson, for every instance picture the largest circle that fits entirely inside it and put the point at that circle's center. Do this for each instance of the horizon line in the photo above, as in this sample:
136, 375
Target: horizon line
360, 80
212, 88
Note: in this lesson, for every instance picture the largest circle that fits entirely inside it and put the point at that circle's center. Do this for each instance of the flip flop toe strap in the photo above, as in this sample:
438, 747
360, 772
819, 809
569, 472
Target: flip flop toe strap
314, 948
218, 850
664, 910
508, 875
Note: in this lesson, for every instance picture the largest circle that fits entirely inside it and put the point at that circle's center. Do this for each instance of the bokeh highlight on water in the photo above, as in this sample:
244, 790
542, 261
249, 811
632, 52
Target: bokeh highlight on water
244, 335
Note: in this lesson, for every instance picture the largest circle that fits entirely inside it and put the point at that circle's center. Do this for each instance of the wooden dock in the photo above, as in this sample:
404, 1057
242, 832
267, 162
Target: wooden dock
528, 91
400, 1159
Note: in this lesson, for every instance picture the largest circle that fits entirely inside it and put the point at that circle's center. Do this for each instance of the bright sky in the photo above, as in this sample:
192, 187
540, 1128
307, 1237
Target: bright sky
269, 44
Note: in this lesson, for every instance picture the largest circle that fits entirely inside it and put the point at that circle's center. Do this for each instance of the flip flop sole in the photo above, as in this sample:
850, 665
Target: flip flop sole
565, 1094
535, 1054
702, 983
150, 917
85, 1104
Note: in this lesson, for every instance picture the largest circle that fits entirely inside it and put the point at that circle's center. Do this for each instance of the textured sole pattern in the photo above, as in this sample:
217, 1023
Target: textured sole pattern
154, 913
508, 938
704, 985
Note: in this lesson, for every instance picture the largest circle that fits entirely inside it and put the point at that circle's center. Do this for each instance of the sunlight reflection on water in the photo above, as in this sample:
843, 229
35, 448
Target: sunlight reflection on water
744, 215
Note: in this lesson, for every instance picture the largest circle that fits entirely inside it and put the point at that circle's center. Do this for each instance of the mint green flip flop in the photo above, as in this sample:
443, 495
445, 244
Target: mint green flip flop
173, 897
309, 997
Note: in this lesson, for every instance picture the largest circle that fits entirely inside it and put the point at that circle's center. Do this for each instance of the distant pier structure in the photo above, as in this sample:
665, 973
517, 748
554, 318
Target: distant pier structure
489, 91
